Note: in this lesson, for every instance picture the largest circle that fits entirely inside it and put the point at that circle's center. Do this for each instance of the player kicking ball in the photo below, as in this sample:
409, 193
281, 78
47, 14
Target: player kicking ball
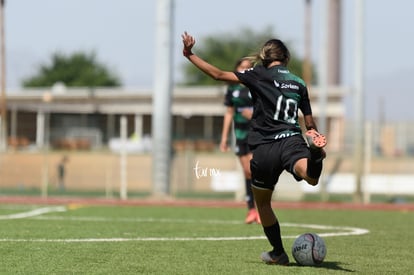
275, 137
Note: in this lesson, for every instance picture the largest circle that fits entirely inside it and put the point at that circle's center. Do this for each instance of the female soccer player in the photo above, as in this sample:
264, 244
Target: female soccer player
275, 136
239, 110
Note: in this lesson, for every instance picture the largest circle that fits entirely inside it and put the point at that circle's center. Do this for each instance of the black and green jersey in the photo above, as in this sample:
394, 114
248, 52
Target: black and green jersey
277, 96
238, 96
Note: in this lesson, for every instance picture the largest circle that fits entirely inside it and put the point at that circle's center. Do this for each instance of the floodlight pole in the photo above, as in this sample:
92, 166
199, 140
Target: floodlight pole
323, 87
3, 101
46, 99
161, 112
123, 190
359, 99
307, 63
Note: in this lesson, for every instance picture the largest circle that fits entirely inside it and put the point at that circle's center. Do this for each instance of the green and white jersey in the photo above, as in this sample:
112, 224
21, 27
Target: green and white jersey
277, 96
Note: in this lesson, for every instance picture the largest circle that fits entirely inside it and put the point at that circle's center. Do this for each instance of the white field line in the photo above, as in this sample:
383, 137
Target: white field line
17, 207
349, 230
138, 220
339, 230
355, 231
32, 213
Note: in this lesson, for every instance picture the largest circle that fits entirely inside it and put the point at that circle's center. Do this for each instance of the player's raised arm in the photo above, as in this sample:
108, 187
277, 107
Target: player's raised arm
207, 68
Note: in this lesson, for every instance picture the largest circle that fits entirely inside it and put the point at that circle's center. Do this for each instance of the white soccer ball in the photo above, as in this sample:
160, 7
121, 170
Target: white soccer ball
309, 249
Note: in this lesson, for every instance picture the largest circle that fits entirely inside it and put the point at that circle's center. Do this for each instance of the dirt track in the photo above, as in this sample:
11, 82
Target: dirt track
201, 203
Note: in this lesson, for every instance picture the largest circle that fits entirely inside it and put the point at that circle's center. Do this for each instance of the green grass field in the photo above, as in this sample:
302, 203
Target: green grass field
72, 239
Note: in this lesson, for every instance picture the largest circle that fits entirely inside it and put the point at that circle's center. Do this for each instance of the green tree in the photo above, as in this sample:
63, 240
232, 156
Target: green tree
225, 49
75, 70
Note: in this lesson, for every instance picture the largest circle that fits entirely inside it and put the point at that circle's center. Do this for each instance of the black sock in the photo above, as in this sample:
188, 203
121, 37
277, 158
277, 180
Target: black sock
317, 155
315, 164
273, 235
249, 194
314, 169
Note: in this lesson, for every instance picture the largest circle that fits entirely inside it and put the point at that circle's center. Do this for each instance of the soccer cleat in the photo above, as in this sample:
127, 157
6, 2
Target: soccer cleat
270, 258
251, 216
315, 140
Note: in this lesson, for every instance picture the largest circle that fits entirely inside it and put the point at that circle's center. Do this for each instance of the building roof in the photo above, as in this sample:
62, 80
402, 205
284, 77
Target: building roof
186, 101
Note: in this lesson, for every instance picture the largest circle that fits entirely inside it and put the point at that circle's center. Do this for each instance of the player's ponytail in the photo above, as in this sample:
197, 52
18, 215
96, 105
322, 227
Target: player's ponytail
274, 50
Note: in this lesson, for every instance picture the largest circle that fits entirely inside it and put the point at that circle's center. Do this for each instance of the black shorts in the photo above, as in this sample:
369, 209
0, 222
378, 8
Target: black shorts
270, 159
242, 147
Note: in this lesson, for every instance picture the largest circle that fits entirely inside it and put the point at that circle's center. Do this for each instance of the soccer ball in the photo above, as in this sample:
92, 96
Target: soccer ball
309, 249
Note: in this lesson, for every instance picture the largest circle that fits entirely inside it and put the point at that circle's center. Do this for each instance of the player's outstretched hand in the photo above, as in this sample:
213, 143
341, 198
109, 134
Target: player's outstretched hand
188, 43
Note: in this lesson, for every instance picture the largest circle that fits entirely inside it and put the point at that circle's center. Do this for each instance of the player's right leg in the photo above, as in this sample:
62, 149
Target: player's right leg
316, 143
310, 168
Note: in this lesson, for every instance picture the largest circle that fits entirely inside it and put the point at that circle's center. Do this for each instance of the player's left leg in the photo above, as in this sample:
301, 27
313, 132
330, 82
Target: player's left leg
266, 170
271, 227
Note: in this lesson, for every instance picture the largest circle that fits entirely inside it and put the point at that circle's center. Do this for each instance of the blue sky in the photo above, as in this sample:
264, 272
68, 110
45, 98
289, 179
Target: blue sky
122, 35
